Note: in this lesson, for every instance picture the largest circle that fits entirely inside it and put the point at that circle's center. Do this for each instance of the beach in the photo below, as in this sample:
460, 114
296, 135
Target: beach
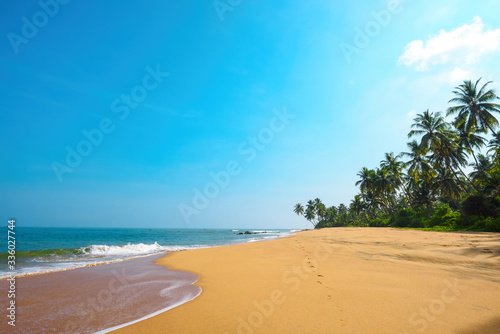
340, 280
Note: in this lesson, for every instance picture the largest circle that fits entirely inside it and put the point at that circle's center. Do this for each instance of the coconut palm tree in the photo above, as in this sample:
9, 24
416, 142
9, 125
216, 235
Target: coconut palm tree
475, 107
310, 216
450, 156
434, 130
446, 183
366, 179
321, 211
357, 205
482, 169
469, 141
439, 138
299, 209
395, 167
418, 166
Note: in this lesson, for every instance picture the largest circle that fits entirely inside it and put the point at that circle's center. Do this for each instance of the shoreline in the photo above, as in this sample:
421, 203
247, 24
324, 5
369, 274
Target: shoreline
86, 262
345, 280
33, 283
99, 299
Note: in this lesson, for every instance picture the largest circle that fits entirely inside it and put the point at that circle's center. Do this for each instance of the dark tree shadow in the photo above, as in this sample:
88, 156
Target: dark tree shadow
490, 327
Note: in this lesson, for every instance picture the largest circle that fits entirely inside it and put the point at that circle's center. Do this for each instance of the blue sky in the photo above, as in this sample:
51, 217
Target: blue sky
233, 73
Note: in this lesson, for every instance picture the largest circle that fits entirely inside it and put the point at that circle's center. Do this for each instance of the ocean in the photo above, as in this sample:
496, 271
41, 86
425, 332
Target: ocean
43, 250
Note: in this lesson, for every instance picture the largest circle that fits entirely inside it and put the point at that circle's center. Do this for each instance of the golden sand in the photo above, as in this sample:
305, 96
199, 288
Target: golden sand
341, 280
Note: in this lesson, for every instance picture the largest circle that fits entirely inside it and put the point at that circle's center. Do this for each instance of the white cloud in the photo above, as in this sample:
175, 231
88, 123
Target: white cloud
458, 75
461, 46
412, 114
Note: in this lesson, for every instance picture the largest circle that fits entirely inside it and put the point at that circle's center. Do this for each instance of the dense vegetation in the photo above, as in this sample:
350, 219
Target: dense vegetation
442, 182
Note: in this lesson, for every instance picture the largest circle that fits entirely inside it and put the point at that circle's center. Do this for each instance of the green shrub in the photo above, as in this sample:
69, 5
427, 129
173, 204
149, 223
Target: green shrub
444, 216
480, 205
492, 225
407, 218
475, 223
379, 222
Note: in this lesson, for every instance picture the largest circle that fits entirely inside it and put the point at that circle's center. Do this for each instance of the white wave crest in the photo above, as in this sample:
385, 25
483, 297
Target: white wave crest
129, 249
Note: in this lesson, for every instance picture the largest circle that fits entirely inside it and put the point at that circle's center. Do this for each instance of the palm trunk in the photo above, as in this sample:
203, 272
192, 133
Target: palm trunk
473, 155
472, 184
454, 173
494, 133
458, 179
406, 191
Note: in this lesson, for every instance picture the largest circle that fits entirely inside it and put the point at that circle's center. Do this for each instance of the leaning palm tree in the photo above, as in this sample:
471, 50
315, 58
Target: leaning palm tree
366, 179
451, 156
469, 141
439, 138
321, 211
357, 205
418, 165
475, 107
395, 167
482, 169
435, 131
310, 216
446, 184
299, 209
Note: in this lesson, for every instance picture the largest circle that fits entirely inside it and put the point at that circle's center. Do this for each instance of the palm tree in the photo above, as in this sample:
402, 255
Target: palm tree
321, 210
418, 165
450, 156
482, 169
475, 107
422, 193
446, 183
395, 167
332, 213
469, 141
434, 130
310, 216
357, 205
299, 209
366, 181
439, 138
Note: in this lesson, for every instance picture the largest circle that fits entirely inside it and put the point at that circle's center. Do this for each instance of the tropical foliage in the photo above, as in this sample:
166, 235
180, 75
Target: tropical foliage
449, 178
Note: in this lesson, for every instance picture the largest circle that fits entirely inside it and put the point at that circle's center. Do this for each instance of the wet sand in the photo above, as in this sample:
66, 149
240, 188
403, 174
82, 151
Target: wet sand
88, 300
341, 280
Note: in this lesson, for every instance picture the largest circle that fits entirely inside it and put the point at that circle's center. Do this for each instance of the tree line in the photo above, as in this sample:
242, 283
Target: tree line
448, 178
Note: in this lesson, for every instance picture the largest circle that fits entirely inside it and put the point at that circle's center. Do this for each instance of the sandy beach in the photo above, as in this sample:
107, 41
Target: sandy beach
341, 280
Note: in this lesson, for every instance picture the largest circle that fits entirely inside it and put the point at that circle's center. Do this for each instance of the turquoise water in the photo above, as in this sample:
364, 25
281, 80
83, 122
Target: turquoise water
52, 249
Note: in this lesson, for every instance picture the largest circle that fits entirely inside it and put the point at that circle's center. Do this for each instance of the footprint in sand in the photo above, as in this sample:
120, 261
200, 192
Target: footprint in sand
320, 282
320, 275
